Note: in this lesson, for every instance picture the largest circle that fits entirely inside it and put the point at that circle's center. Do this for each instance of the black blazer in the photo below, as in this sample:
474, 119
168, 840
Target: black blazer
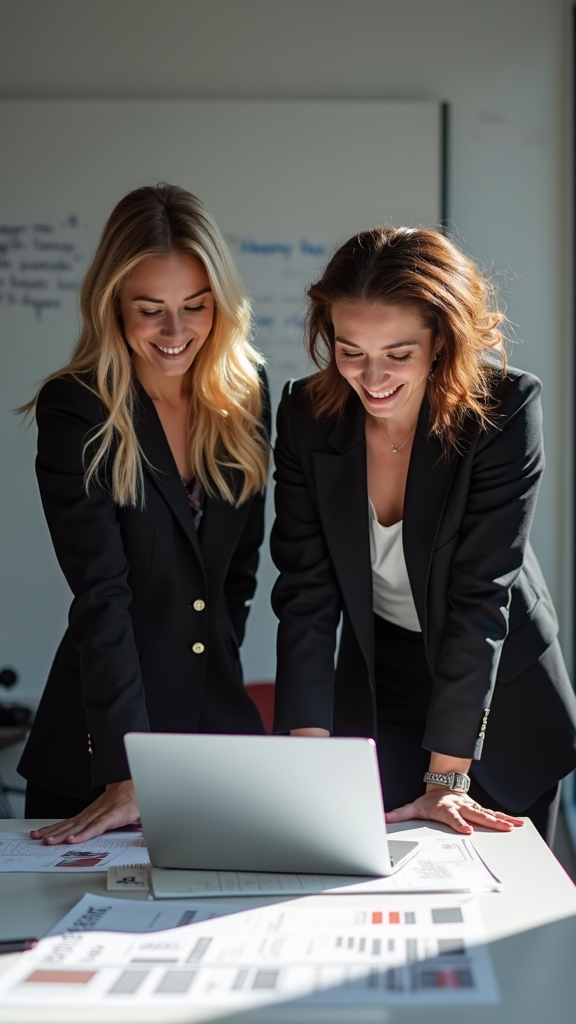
158, 610
482, 603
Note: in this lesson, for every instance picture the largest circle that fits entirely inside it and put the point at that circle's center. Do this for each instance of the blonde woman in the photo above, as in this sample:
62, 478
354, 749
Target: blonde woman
152, 461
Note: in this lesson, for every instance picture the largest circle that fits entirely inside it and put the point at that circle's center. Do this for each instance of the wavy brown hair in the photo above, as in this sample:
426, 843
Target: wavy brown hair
425, 271
225, 428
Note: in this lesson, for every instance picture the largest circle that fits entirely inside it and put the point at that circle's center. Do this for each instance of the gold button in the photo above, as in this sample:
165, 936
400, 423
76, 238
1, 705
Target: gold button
198, 648
199, 605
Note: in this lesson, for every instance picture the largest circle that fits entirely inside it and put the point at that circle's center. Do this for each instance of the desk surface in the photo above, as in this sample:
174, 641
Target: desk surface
530, 928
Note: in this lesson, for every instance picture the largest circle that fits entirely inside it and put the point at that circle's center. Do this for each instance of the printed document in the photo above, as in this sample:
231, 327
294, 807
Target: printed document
114, 914
425, 951
442, 864
20, 853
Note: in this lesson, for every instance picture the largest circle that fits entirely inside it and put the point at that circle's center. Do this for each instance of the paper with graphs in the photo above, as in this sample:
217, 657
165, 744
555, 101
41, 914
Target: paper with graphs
18, 852
402, 951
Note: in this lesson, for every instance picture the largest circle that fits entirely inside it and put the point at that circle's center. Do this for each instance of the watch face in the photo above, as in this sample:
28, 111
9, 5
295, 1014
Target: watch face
461, 782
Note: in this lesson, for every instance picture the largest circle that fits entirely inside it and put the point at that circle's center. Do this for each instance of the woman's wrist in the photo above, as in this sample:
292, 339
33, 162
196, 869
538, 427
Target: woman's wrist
311, 731
447, 773
443, 764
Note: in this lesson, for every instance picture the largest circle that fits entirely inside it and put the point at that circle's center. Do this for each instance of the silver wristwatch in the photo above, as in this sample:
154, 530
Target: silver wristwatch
453, 780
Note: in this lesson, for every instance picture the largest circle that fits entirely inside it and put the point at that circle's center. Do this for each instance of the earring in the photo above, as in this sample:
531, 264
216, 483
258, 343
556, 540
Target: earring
435, 362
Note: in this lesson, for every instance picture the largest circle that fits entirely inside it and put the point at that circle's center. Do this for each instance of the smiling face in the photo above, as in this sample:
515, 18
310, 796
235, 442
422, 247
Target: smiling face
385, 353
167, 310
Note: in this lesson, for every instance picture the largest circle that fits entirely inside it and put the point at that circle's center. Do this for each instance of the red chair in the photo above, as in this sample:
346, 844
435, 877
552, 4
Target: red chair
262, 693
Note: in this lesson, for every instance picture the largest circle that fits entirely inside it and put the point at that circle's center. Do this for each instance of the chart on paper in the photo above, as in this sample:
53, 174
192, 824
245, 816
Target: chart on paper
20, 853
411, 953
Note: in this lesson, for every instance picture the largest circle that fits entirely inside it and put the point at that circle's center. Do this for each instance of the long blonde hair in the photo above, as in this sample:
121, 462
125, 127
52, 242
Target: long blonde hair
225, 430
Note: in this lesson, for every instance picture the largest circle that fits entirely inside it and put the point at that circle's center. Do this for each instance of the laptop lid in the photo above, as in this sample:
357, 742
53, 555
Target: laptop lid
261, 803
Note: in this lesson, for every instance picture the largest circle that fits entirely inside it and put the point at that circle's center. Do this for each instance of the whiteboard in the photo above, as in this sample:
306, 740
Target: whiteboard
286, 181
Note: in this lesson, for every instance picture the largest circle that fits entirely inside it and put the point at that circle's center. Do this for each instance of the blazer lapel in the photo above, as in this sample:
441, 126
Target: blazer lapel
342, 493
160, 466
221, 521
430, 475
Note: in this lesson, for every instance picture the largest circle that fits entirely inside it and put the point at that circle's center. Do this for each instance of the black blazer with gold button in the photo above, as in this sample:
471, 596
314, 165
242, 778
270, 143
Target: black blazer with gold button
158, 610
501, 694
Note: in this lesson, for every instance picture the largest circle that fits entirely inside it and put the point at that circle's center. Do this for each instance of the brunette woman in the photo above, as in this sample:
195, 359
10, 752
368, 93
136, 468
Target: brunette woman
407, 472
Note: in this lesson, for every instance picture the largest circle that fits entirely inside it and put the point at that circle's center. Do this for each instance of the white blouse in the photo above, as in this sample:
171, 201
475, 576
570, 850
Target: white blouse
390, 584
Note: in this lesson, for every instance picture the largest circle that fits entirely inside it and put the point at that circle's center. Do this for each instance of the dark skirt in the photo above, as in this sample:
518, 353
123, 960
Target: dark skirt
403, 689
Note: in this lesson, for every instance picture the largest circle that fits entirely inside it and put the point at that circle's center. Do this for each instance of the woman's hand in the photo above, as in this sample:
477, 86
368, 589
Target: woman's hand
455, 809
115, 807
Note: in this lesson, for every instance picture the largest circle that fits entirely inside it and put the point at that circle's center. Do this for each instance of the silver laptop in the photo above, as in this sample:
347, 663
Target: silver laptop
263, 803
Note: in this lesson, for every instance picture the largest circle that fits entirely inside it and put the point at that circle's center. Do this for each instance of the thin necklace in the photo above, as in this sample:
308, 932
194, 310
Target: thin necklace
397, 447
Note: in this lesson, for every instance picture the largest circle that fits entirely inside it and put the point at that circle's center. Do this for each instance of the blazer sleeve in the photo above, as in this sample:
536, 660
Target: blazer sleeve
240, 583
507, 467
306, 597
88, 545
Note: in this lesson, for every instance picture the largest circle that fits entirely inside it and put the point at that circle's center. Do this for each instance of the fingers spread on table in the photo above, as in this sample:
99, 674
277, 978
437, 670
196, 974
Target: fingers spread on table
115, 807
455, 809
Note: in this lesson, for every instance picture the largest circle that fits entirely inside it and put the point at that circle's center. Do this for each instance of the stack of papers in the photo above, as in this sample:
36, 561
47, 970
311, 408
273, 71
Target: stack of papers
440, 864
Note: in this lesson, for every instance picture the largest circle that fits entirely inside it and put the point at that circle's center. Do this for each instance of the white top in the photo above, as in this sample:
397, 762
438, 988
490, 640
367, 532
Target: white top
390, 584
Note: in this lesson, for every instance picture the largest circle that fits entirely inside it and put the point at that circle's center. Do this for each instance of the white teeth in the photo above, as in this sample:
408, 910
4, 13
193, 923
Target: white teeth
172, 351
382, 394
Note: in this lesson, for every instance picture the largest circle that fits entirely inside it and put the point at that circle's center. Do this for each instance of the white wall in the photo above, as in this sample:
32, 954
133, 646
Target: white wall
501, 64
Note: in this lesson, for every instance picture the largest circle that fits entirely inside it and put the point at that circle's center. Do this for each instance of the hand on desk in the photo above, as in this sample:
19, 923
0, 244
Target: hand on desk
323, 733
115, 807
455, 809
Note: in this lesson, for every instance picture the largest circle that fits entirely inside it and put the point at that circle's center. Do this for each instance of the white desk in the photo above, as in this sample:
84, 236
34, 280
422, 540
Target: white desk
530, 928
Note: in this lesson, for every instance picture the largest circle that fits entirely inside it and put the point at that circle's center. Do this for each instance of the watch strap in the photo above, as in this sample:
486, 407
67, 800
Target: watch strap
452, 780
